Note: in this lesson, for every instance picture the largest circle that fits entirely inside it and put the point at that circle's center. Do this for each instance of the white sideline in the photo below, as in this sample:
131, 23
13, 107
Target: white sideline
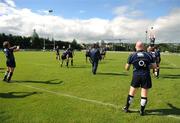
75, 97
89, 100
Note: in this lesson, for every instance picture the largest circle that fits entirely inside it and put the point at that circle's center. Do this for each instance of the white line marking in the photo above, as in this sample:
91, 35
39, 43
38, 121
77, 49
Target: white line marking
174, 116
74, 97
91, 101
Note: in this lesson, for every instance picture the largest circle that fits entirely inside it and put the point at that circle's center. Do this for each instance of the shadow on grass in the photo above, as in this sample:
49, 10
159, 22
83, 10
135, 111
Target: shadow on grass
169, 67
17, 94
42, 82
172, 111
170, 76
113, 74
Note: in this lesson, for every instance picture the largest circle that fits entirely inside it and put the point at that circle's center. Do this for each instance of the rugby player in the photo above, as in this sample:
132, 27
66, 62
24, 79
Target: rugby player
10, 62
152, 37
155, 56
103, 53
70, 55
57, 53
142, 62
64, 57
158, 60
87, 54
95, 56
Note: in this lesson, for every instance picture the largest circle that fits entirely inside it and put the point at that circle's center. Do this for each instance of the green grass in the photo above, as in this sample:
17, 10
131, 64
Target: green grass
39, 83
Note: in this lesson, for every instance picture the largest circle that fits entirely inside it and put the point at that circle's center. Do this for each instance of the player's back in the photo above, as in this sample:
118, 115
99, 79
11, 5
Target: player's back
9, 54
141, 61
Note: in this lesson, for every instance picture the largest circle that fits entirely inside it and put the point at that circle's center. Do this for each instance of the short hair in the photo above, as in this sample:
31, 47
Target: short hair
6, 44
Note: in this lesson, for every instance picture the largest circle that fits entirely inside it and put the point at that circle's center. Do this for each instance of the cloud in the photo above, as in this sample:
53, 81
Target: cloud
9, 3
126, 11
23, 21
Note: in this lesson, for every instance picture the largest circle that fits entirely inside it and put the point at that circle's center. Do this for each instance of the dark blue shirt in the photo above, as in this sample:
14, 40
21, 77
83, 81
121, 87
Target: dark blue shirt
95, 55
9, 54
141, 62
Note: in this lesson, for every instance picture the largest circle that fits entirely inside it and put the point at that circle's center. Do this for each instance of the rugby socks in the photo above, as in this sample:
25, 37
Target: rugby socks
129, 101
71, 62
9, 76
143, 105
67, 63
6, 75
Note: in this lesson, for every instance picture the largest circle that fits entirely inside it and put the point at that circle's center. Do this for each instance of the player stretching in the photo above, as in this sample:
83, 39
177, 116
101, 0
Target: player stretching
57, 53
10, 62
142, 62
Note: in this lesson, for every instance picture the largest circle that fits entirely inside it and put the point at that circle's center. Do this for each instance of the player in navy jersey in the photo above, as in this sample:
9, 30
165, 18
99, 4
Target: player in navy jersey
87, 54
95, 56
64, 57
57, 53
142, 62
103, 53
10, 60
158, 60
70, 54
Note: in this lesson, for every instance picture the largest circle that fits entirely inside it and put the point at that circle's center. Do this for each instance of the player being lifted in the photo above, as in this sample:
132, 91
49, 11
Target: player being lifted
152, 37
142, 62
10, 62
57, 53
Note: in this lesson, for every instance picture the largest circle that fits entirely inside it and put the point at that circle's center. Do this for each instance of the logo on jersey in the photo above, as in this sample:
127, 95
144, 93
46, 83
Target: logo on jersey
141, 63
140, 54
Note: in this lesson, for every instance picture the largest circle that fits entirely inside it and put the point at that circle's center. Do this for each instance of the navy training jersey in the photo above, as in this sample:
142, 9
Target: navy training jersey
95, 54
141, 61
57, 50
9, 54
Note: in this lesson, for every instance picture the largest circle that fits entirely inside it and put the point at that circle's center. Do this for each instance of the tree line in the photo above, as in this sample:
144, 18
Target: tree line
35, 42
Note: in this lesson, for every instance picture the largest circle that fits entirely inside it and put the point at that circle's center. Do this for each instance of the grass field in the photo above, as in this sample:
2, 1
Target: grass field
43, 92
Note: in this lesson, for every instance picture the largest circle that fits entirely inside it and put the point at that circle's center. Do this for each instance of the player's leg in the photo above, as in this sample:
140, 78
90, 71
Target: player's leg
95, 67
62, 61
144, 93
158, 69
67, 61
6, 74
10, 74
72, 61
132, 92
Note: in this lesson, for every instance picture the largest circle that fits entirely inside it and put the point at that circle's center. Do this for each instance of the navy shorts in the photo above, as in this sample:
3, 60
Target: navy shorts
70, 55
143, 81
11, 64
63, 57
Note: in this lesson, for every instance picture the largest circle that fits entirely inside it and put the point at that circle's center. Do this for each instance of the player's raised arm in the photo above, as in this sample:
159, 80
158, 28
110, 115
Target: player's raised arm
16, 49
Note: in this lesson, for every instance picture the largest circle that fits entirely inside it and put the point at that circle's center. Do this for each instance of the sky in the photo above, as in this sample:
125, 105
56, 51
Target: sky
92, 20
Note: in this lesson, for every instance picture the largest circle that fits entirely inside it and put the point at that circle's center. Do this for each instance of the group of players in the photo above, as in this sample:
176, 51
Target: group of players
67, 56
141, 60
